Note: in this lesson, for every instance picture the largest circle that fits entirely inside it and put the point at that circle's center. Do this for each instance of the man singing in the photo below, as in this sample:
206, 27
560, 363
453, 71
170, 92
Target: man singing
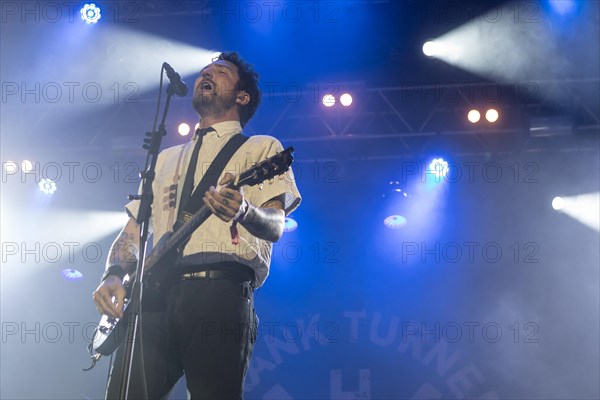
205, 326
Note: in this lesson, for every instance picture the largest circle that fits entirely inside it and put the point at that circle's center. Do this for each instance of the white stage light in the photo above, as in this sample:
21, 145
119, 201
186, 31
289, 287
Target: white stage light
431, 48
90, 13
585, 208
328, 100
558, 203
473, 116
183, 129
26, 166
346, 99
492, 115
47, 186
11, 167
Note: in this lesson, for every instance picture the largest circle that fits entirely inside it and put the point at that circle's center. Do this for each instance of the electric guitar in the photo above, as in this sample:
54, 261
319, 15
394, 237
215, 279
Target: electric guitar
111, 332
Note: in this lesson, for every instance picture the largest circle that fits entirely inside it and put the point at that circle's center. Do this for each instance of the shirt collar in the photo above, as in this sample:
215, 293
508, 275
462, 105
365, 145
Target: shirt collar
227, 128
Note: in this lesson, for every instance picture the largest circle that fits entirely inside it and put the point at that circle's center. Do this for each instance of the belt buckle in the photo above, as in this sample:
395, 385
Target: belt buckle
198, 274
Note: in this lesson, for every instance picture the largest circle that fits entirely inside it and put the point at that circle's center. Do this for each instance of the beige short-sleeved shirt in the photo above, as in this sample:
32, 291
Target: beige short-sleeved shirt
211, 242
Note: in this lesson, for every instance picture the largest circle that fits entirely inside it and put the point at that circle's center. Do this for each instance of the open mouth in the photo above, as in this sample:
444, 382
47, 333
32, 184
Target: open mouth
207, 86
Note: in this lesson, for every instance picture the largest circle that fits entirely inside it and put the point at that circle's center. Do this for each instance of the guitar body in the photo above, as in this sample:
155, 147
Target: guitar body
111, 332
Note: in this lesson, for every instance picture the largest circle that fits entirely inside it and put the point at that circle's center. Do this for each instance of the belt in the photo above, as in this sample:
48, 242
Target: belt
240, 274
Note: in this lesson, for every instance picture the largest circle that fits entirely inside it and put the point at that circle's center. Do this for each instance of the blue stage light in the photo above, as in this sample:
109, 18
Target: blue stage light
395, 206
90, 13
47, 186
395, 221
438, 167
72, 274
290, 225
562, 7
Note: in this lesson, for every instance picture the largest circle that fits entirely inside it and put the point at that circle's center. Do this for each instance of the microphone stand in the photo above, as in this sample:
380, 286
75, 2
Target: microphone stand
152, 144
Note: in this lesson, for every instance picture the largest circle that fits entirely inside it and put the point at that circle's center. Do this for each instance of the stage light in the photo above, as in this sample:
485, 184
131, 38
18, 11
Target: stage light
485, 39
438, 167
47, 186
346, 99
183, 129
431, 48
395, 221
10, 167
72, 274
473, 116
90, 13
395, 206
27, 166
584, 208
558, 203
328, 100
492, 115
290, 225
562, 7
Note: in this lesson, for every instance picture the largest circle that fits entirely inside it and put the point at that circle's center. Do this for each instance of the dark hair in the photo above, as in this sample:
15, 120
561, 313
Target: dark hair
248, 83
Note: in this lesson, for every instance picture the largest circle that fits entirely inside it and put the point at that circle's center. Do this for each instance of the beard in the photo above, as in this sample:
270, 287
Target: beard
213, 104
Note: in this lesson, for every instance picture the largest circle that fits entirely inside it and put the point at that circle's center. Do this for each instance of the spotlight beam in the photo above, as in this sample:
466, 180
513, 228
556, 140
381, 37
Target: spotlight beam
512, 44
584, 208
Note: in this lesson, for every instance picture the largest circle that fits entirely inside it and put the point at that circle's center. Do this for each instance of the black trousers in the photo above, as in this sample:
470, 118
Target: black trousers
206, 331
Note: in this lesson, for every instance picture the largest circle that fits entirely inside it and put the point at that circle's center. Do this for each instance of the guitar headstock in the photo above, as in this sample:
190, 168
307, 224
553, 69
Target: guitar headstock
267, 169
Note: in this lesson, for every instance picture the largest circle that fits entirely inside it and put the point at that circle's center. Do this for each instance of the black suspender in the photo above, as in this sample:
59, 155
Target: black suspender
193, 204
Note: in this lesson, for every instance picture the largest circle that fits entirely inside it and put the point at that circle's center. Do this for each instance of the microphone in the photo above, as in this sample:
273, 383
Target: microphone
179, 87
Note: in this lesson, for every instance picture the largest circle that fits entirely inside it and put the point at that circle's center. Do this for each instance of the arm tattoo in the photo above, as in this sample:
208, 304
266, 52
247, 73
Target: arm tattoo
124, 250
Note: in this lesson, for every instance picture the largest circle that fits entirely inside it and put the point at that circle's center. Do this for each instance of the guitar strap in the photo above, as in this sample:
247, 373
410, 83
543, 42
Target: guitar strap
214, 171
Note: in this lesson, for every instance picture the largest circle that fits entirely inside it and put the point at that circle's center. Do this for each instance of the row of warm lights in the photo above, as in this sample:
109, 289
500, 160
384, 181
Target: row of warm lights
491, 116
184, 129
11, 167
48, 186
431, 49
329, 100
